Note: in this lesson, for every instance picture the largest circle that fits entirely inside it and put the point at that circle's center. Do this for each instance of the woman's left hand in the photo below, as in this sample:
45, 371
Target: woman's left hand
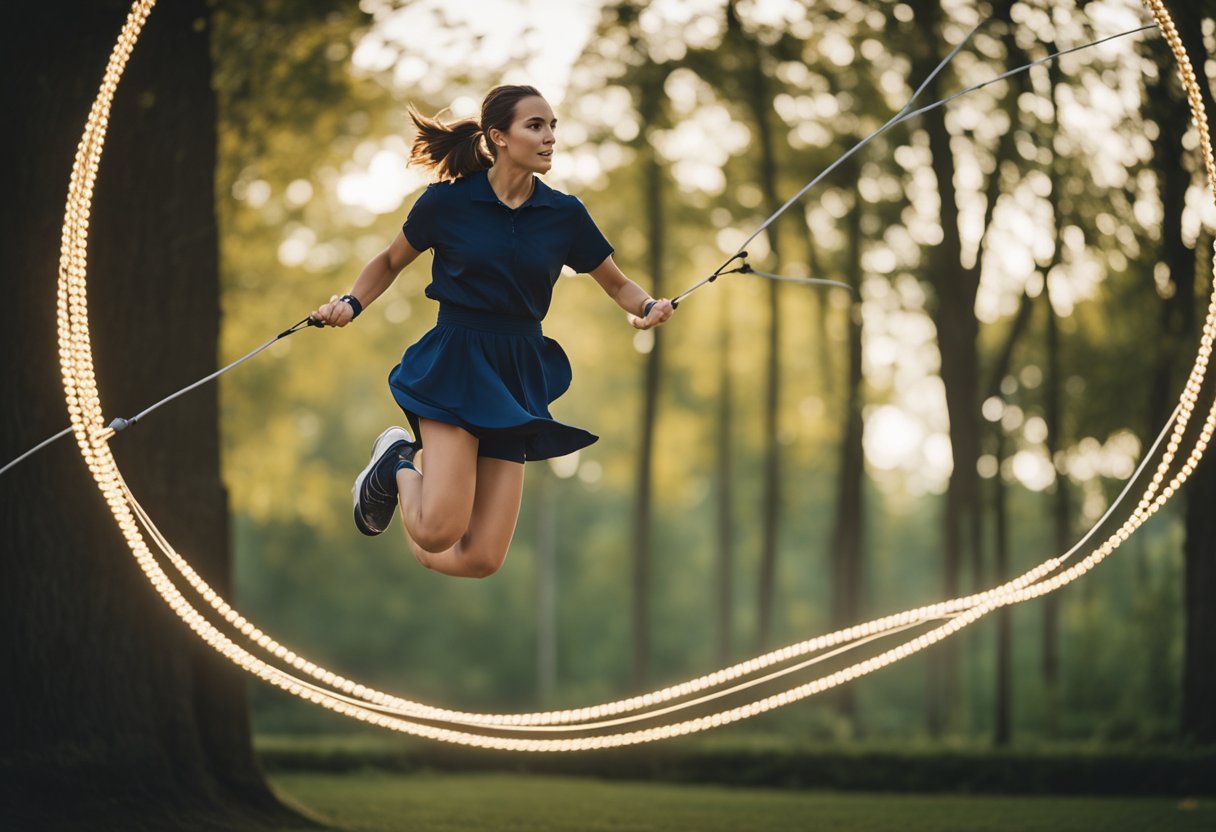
659, 313
335, 313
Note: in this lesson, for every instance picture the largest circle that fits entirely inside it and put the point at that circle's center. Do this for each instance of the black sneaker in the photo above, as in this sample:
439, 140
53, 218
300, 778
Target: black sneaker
375, 488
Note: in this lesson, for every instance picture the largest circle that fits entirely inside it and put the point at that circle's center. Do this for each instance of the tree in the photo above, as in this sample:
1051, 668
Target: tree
955, 286
118, 717
1003, 698
1186, 262
648, 105
1053, 417
644, 79
724, 486
755, 89
955, 280
848, 533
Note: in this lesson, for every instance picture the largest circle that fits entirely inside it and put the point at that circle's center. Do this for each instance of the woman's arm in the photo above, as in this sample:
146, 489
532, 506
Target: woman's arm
630, 296
376, 277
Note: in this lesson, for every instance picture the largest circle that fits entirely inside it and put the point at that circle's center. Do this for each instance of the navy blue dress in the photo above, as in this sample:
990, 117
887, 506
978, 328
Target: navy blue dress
486, 366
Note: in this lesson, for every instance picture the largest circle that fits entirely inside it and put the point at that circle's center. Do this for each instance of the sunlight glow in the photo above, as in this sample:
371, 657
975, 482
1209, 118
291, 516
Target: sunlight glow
383, 184
892, 438
1032, 470
699, 146
433, 42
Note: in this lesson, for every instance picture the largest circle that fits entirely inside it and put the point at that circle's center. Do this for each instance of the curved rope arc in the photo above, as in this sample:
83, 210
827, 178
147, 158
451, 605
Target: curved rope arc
849, 637
83, 403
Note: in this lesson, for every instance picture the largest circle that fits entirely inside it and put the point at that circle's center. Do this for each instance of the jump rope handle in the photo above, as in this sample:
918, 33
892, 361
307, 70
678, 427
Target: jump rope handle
355, 306
650, 305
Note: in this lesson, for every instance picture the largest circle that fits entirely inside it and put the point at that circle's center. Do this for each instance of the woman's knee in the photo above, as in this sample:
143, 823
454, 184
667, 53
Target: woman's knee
483, 566
437, 536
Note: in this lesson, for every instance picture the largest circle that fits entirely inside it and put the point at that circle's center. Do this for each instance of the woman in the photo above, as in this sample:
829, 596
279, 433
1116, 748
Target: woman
476, 388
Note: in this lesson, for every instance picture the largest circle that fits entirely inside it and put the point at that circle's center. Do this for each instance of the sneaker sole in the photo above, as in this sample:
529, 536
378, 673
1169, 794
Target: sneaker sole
382, 444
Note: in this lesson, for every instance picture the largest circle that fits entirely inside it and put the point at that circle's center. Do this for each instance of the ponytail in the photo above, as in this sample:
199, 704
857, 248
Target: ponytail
455, 150
450, 150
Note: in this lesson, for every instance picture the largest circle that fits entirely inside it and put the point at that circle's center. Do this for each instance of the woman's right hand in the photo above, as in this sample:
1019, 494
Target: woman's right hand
335, 313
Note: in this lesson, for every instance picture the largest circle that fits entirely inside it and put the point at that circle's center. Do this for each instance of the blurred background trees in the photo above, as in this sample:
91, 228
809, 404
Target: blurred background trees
1030, 265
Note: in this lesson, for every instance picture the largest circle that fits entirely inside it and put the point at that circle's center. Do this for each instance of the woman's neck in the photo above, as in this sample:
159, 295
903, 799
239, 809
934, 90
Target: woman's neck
512, 185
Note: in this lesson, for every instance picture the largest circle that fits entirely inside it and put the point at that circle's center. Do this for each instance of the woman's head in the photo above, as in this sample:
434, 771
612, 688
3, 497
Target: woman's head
516, 124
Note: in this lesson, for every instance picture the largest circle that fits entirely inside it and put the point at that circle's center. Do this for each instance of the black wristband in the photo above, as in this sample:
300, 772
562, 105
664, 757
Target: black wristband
354, 304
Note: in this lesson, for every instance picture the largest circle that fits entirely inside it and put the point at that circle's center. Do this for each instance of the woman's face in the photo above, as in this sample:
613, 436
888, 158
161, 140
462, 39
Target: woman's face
530, 140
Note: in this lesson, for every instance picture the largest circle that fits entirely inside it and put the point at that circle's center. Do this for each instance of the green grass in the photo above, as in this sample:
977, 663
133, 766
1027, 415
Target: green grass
382, 802
789, 763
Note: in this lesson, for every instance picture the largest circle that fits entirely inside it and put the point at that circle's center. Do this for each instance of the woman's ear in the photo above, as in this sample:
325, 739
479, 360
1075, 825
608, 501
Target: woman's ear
496, 137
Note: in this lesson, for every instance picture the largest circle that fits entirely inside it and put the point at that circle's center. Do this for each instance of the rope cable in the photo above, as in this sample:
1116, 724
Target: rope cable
121, 424
37, 448
904, 114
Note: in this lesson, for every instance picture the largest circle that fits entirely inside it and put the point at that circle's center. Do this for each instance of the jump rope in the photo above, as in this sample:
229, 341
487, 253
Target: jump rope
905, 113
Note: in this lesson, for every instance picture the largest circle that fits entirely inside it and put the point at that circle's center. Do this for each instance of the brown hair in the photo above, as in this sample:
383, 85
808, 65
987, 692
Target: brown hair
463, 147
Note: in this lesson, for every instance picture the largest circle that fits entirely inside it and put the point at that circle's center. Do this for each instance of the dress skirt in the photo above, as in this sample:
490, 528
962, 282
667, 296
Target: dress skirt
493, 375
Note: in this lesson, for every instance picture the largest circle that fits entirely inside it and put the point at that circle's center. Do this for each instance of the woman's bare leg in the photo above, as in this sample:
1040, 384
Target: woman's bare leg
460, 517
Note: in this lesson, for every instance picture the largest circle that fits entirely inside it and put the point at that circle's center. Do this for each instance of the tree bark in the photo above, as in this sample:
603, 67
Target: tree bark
1003, 693
118, 718
1002, 723
649, 106
1199, 661
957, 331
1179, 318
546, 496
1060, 512
725, 479
823, 354
848, 532
1053, 417
759, 100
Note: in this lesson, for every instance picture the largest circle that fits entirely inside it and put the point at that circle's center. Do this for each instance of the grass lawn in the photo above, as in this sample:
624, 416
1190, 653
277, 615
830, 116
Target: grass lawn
383, 802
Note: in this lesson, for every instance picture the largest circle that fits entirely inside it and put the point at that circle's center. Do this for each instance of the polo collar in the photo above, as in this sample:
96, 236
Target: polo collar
480, 191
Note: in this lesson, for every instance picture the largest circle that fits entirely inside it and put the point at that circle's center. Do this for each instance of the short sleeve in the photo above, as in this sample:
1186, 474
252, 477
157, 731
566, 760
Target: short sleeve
588, 247
419, 225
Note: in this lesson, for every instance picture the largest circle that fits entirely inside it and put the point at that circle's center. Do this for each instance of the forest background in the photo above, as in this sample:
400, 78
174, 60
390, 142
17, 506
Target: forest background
779, 460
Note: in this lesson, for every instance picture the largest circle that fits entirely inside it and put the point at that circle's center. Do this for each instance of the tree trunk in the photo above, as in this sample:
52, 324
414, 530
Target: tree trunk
1178, 321
848, 533
1053, 417
725, 478
644, 499
823, 352
759, 101
957, 332
546, 496
1060, 513
1199, 661
1002, 730
118, 717
1003, 693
